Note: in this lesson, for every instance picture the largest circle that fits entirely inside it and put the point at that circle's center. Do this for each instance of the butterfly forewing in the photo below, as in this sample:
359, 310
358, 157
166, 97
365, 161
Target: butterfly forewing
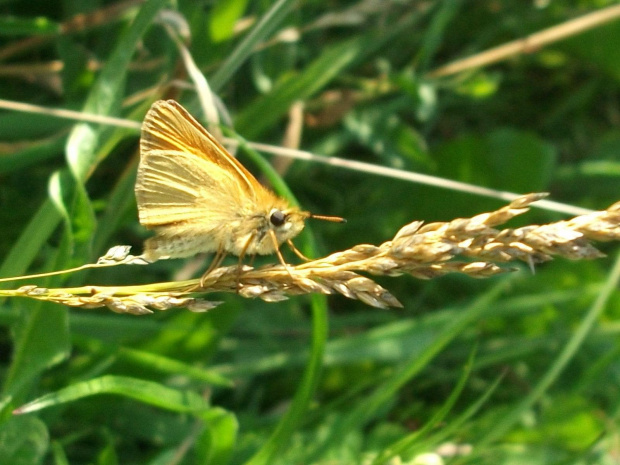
168, 126
185, 175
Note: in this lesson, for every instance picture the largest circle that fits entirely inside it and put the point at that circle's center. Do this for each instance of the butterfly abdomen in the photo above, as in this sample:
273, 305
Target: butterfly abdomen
159, 248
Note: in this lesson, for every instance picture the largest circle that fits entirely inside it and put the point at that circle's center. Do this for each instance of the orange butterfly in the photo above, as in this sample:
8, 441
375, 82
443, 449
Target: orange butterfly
199, 198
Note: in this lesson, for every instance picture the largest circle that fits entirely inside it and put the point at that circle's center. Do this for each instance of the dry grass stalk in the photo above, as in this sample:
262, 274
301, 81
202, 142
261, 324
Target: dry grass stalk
423, 251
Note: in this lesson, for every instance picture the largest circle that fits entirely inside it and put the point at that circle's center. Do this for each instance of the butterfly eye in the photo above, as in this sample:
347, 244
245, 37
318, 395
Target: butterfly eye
277, 218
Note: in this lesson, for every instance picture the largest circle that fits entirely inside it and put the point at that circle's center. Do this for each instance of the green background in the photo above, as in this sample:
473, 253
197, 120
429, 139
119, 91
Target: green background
514, 369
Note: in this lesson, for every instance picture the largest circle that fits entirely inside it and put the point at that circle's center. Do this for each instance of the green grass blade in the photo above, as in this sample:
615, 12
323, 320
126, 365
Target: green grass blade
216, 444
266, 168
42, 341
299, 407
157, 363
265, 111
30, 241
147, 392
106, 95
436, 32
366, 411
265, 26
406, 444
225, 14
307, 386
564, 357
32, 155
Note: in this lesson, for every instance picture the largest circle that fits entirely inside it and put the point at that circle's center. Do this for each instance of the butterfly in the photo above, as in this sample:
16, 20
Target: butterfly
198, 198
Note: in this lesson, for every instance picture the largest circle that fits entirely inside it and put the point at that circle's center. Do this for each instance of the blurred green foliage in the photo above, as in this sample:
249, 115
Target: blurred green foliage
518, 369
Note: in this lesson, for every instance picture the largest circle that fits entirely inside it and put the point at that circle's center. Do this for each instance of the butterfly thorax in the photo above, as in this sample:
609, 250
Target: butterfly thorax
262, 232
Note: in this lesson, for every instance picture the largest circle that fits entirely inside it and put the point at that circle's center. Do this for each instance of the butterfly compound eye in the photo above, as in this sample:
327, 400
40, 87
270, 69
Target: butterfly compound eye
277, 218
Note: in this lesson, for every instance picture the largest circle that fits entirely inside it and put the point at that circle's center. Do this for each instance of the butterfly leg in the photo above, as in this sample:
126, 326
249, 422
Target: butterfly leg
279, 254
241, 256
297, 251
217, 261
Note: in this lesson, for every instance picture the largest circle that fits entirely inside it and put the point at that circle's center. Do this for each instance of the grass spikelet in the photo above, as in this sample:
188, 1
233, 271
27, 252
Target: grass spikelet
471, 246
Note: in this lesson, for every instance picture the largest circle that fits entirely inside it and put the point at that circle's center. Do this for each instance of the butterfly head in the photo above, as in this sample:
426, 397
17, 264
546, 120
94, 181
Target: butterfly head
286, 223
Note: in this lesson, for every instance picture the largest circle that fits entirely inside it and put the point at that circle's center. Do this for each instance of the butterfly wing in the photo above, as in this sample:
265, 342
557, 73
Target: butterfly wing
185, 175
168, 126
175, 187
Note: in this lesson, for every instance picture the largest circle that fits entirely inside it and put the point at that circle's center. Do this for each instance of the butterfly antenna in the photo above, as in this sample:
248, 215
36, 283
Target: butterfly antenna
333, 219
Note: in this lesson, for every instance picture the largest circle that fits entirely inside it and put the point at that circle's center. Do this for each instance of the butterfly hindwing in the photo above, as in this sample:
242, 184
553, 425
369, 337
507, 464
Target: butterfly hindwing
178, 187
